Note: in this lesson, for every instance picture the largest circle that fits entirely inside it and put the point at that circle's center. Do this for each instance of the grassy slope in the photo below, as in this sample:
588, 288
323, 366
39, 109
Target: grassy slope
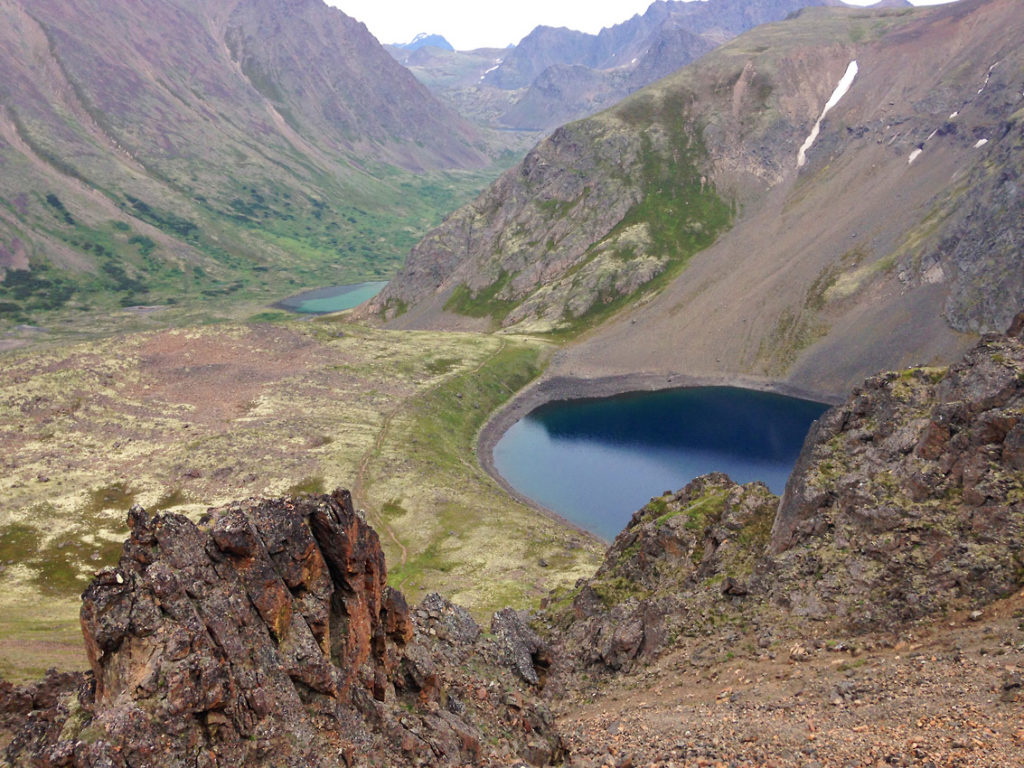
161, 418
93, 250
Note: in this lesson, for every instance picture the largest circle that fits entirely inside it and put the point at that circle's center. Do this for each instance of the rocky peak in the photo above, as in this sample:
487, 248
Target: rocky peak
228, 631
266, 635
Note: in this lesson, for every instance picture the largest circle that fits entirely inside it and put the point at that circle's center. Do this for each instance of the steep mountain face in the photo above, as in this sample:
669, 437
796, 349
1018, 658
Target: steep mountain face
325, 67
142, 144
555, 75
876, 238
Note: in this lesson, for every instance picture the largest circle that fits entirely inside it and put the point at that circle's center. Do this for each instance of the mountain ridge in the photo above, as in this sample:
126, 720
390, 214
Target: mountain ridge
142, 145
851, 260
555, 74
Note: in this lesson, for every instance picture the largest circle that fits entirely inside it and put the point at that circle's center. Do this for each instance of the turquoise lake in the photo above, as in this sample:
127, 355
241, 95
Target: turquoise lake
595, 462
334, 299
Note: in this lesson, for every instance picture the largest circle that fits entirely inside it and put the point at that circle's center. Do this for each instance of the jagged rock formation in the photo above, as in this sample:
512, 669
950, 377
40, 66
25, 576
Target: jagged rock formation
907, 501
865, 257
266, 636
555, 75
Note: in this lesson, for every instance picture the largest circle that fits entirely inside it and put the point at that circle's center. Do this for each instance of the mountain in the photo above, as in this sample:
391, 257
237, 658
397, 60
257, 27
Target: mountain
724, 624
555, 75
423, 40
807, 250
154, 153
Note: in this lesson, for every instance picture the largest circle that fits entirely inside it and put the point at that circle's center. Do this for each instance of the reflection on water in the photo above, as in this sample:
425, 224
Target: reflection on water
595, 462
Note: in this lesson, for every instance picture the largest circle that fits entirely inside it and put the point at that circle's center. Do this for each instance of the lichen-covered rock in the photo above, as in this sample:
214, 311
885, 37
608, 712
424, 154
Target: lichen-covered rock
267, 636
909, 498
522, 647
683, 558
906, 501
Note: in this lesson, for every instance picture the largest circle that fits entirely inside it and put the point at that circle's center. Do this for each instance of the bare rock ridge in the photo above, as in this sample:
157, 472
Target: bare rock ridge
267, 636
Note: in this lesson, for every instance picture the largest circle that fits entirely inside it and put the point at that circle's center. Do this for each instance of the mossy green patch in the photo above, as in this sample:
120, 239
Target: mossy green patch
699, 513
307, 486
617, 590
483, 303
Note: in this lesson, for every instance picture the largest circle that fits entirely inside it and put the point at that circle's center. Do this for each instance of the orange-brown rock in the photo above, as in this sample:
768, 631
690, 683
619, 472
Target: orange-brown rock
267, 636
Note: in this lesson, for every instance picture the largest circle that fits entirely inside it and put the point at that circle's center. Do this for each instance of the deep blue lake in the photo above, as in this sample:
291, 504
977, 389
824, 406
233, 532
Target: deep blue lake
597, 461
334, 299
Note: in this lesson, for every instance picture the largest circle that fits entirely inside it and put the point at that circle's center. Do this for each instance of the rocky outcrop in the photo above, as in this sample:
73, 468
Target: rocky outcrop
907, 501
267, 636
683, 559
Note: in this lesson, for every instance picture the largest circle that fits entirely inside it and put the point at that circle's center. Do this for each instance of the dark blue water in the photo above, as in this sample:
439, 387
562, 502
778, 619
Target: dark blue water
333, 299
595, 462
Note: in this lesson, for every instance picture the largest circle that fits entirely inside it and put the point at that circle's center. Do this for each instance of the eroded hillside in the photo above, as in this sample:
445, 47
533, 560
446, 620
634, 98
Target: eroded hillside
892, 243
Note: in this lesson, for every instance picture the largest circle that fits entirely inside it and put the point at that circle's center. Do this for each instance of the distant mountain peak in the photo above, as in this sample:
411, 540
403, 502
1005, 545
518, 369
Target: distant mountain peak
424, 39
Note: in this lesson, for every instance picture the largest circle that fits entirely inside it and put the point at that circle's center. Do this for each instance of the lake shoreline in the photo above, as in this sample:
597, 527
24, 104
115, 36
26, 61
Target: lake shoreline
294, 303
560, 388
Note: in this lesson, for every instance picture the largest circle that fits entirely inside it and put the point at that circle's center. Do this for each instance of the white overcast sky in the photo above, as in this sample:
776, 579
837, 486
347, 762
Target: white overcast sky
480, 24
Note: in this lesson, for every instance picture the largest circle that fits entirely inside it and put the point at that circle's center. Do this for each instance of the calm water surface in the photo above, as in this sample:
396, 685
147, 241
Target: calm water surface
334, 299
595, 462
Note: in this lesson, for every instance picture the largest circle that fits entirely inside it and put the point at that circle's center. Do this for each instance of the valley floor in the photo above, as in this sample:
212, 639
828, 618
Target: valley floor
190, 418
944, 694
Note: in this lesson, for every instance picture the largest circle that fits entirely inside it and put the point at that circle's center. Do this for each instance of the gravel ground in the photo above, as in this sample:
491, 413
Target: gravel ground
944, 694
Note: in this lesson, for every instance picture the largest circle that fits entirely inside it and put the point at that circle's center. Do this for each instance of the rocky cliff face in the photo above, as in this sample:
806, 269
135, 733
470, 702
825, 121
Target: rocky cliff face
267, 636
908, 499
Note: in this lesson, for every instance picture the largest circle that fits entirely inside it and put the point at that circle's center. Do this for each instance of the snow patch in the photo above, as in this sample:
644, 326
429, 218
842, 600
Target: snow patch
934, 275
988, 77
841, 90
914, 155
981, 143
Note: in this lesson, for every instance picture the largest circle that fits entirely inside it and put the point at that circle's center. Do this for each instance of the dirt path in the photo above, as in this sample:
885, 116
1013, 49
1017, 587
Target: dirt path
357, 491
